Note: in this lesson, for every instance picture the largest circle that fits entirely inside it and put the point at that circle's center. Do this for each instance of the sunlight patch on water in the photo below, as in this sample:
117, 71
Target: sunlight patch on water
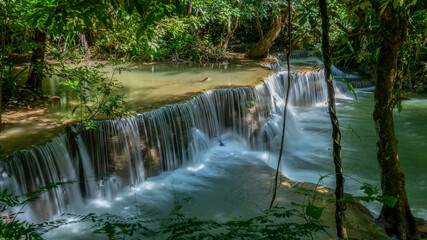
196, 169
101, 203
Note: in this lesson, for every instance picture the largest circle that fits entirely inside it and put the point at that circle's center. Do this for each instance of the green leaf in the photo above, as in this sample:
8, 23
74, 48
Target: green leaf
377, 54
350, 87
302, 21
384, 6
365, 5
74, 109
313, 211
138, 7
389, 201
350, 46
369, 189
353, 131
88, 22
313, 52
50, 19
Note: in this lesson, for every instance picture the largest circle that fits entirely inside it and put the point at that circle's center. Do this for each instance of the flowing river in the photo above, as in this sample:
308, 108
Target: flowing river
218, 148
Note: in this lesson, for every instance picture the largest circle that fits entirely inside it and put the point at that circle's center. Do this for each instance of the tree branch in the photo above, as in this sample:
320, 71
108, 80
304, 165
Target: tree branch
342, 28
369, 33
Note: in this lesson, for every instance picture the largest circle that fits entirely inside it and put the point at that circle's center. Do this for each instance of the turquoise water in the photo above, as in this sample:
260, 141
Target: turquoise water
359, 155
411, 131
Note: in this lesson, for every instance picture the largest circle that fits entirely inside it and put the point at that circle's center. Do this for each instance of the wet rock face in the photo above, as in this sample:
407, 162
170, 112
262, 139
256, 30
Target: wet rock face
137, 148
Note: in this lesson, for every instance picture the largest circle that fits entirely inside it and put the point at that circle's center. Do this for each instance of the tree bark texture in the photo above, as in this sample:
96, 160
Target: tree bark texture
84, 42
2, 51
262, 47
1, 96
35, 74
336, 133
258, 24
398, 221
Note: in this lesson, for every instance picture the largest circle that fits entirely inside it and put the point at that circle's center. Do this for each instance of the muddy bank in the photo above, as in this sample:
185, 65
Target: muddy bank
23, 128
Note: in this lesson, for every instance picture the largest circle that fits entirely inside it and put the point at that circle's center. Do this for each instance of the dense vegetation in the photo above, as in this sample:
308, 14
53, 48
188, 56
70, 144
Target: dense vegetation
382, 38
203, 30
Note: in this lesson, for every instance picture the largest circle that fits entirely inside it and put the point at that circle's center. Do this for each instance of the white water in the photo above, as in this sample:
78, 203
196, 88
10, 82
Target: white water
125, 152
139, 164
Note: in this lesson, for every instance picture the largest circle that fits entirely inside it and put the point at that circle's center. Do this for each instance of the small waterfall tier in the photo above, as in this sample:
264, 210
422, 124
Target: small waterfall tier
125, 152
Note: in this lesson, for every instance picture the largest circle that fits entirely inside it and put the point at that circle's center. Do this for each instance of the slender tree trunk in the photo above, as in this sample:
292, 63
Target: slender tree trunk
397, 220
258, 24
336, 133
262, 47
230, 32
288, 56
3, 53
83, 41
1, 95
35, 74
190, 9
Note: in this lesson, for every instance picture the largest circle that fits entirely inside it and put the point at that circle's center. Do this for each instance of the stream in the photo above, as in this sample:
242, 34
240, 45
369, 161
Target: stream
218, 149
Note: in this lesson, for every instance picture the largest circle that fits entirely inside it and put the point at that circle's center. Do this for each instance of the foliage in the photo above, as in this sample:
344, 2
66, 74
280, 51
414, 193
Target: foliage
97, 94
278, 223
303, 222
357, 42
11, 207
372, 193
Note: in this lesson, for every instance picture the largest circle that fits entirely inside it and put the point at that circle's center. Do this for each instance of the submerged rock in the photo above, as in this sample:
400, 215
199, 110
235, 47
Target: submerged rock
206, 79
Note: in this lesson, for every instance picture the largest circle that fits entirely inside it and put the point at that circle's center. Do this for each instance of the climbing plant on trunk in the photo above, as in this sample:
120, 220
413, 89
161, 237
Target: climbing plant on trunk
336, 133
288, 56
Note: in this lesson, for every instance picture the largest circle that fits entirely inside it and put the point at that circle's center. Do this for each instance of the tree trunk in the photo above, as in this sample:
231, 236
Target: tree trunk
35, 74
190, 9
336, 133
83, 41
258, 24
230, 32
1, 96
262, 47
2, 53
397, 220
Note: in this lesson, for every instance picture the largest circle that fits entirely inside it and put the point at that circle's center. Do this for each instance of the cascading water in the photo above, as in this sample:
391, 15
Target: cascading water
125, 152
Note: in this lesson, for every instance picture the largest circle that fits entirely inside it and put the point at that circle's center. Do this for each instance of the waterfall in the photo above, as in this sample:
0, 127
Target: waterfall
125, 152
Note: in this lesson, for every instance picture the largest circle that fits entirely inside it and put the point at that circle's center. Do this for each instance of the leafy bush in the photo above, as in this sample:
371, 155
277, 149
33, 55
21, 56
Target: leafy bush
97, 94
176, 42
278, 223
